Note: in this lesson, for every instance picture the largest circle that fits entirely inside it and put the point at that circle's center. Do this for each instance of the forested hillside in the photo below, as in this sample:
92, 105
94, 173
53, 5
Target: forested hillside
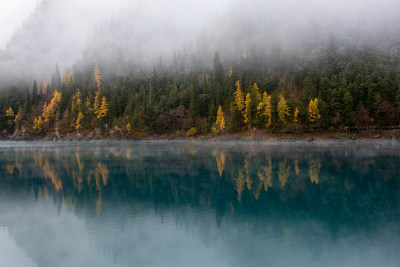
327, 87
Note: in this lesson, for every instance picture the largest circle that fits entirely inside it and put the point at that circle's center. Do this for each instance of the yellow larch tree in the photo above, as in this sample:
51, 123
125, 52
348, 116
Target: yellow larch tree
265, 109
43, 87
296, 115
238, 102
246, 113
37, 124
78, 125
313, 112
220, 122
100, 110
10, 115
283, 110
49, 111
128, 128
97, 77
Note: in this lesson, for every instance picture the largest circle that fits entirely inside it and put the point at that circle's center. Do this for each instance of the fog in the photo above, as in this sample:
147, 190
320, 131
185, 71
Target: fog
124, 34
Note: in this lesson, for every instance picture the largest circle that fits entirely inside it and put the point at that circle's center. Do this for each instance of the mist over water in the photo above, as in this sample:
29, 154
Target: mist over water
180, 204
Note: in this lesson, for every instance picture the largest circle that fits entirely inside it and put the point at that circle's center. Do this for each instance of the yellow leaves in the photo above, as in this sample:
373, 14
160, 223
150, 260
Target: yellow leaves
100, 110
97, 77
49, 111
283, 110
313, 112
78, 125
296, 115
220, 122
128, 128
238, 102
10, 114
247, 109
43, 87
37, 124
265, 110
191, 132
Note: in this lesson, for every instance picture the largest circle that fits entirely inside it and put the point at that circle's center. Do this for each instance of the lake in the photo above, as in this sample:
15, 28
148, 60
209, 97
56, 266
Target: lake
199, 204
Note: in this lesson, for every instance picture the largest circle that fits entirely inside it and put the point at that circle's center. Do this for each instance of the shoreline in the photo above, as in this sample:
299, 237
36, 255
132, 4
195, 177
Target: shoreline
247, 137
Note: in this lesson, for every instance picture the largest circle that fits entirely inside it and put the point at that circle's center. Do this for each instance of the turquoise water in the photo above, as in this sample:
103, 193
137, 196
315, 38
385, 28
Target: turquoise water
199, 204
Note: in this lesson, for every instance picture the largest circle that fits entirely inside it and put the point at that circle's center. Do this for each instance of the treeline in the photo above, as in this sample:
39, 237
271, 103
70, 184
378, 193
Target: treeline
327, 88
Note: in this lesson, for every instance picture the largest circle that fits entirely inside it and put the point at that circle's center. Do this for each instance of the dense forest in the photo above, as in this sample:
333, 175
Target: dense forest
323, 88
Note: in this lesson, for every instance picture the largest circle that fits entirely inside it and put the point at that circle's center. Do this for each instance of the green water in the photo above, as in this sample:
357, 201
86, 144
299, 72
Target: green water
199, 204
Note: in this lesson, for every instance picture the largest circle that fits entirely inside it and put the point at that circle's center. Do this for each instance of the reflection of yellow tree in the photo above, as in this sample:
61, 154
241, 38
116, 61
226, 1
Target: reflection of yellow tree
37, 157
248, 178
296, 166
283, 173
265, 174
81, 166
50, 173
314, 172
102, 171
10, 169
220, 163
239, 185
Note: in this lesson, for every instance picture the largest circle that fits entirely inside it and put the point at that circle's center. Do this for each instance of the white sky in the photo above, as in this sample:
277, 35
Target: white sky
12, 14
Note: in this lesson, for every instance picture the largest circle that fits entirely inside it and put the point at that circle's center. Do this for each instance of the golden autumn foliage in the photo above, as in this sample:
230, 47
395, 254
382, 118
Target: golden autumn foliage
265, 110
37, 124
220, 122
283, 110
10, 115
296, 115
78, 125
100, 110
313, 112
49, 111
128, 128
247, 109
239, 101
97, 77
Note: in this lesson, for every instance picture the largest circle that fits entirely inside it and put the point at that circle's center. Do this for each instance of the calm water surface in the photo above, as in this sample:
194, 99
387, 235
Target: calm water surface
197, 204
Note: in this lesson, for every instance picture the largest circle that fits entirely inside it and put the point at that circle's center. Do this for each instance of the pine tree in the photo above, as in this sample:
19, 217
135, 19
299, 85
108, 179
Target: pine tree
27, 104
220, 122
34, 93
